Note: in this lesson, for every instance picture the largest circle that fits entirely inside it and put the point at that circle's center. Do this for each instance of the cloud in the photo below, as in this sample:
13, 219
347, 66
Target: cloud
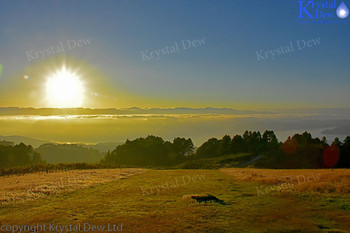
200, 124
339, 130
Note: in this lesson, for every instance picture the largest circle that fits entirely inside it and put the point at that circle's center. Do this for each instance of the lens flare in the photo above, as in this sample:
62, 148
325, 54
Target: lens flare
330, 156
342, 11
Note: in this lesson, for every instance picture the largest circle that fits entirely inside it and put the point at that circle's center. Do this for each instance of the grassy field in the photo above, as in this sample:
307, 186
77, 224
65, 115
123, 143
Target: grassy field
177, 201
325, 181
17, 189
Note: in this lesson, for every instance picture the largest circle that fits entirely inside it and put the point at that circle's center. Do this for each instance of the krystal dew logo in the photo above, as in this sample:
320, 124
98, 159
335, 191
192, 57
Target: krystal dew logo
322, 11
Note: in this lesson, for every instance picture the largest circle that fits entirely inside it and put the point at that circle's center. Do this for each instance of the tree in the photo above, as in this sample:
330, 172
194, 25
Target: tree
18, 155
183, 147
237, 144
269, 141
225, 145
337, 142
151, 151
344, 158
209, 149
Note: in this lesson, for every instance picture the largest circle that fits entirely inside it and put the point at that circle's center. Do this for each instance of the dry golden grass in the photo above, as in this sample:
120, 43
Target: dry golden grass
175, 209
299, 180
33, 186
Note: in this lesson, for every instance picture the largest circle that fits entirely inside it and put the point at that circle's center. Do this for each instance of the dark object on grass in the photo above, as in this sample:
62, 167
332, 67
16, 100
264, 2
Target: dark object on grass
207, 198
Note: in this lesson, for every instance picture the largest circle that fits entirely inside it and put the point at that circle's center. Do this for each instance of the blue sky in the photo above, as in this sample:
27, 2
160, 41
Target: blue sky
223, 72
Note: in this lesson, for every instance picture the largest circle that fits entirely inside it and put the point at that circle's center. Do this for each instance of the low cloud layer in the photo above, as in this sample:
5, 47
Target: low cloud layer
101, 125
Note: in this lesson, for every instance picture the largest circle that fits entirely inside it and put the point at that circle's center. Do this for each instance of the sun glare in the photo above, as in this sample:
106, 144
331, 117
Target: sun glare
64, 89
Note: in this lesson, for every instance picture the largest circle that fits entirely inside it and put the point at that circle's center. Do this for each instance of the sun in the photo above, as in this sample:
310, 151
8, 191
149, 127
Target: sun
64, 89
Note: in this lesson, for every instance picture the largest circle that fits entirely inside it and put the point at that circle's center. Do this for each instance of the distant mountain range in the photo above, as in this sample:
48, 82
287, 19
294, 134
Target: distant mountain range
105, 146
101, 147
17, 111
26, 140
113, 111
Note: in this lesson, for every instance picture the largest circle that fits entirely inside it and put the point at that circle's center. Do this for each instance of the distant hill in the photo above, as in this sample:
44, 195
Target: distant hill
68, 153
106, 146
35, 143
6, 143
26, 140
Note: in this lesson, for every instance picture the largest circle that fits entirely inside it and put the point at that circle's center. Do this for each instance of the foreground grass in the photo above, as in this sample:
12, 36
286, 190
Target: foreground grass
327, 181
158, 201
16, 189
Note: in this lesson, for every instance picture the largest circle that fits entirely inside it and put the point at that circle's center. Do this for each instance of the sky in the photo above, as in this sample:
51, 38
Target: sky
165, 54
224, 71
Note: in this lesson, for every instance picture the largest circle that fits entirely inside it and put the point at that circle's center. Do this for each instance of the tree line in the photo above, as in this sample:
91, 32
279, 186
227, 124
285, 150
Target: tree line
18, 155
299, 151
151, 151
23, 159
249, 142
